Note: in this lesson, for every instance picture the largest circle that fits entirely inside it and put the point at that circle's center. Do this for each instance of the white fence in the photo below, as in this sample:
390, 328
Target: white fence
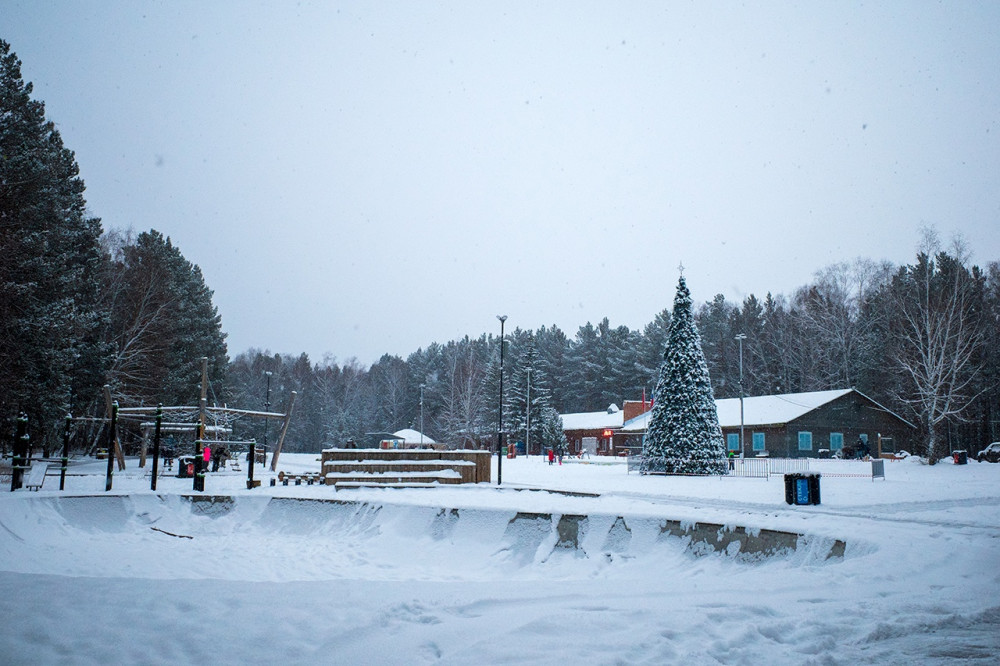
743, 467
762, 468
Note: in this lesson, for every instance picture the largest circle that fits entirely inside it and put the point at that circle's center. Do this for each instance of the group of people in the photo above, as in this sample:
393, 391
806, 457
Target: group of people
217, 456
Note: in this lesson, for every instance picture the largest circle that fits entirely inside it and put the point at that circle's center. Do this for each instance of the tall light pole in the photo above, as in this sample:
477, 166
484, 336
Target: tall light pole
527, 431
502, 319
422, 416
741, 337
267, 408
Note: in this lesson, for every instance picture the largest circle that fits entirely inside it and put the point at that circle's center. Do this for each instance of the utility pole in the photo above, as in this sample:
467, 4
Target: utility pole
527, 432
741, 337
502, 319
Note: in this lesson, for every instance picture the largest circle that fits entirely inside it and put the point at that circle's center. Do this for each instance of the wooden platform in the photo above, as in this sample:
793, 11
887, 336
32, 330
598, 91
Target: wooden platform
372, 467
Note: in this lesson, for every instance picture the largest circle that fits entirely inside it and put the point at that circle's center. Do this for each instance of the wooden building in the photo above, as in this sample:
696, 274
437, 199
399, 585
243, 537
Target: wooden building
592, 432
803, 425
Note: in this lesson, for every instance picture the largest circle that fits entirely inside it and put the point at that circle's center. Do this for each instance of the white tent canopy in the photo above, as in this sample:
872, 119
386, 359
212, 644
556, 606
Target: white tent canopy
412, 437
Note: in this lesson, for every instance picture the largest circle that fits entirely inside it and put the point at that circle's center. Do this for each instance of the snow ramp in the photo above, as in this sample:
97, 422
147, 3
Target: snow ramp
278, 538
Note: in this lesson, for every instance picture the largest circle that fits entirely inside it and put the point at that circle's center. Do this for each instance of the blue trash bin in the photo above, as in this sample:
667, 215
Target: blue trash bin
802, 488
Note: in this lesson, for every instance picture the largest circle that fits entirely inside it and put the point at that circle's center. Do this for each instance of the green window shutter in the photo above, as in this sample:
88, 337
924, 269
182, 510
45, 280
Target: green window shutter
805, 441
733, 442
758, 441
836, 441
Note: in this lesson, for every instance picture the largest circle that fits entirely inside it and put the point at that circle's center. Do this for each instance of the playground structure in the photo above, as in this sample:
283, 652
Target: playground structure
209, 426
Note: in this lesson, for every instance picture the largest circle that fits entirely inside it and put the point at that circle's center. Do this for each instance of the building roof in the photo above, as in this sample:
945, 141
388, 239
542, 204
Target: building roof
410, 436
758, 411
612, 417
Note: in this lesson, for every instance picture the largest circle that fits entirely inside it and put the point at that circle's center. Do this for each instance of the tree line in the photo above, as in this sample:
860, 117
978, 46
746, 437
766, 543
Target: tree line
81, 309
920, 339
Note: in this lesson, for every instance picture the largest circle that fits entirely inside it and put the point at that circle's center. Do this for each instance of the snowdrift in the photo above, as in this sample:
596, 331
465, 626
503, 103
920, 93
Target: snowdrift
258, 538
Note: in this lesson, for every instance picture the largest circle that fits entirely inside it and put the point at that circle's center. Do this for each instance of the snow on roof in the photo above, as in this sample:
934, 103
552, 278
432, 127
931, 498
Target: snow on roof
411, 436
758, 411
637, 424
773, 409
593, 420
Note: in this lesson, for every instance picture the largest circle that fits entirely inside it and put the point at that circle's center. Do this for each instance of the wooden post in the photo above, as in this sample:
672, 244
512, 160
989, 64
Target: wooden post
112, 442
142, 449
65, 455
119, 456
203, 403
284, 429
19, 460
156, 444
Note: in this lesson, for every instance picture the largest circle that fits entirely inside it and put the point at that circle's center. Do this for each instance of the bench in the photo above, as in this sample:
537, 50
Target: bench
35, 477
309, 477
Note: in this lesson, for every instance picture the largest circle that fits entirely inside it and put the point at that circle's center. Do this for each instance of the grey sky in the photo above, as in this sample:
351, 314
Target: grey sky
362, 178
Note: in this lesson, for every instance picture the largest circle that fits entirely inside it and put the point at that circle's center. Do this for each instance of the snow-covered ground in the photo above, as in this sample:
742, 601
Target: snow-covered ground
442, 576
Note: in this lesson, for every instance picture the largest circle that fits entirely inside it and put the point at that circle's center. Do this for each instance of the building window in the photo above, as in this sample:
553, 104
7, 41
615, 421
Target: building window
805, 441
836, 441
733, 442
758, 441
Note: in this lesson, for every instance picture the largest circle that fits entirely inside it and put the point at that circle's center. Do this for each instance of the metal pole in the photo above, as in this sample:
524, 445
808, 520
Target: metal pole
199, 467
250, 456
156, 444
502, 319
527, 432
741, 337
112, 436
267, 408
65, 455
421, 416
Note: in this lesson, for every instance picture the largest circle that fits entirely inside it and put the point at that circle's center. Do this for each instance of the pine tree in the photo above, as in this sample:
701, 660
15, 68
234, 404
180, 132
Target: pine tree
651, 346
51, 352
552, 434
553, 345
715, 321
528, 364
584, 371
684, 436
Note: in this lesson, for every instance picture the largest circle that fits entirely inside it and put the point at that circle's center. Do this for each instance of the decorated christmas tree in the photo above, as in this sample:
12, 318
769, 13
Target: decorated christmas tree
684, 436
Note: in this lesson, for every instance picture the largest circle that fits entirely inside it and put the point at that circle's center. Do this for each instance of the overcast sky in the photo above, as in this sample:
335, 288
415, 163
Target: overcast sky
366, 178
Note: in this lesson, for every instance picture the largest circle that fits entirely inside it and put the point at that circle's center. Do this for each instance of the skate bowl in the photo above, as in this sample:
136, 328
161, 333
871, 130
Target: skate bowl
279, 538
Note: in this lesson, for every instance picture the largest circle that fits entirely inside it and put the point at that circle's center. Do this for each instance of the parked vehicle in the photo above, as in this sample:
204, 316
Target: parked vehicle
991, 453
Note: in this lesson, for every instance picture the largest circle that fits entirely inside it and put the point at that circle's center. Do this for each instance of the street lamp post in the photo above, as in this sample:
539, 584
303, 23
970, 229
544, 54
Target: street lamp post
422, 416
253, 447
502, 319
527, 430
267, 407
741, 337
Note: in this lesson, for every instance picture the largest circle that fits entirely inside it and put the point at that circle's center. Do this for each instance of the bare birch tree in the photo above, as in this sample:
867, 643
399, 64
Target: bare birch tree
464, 400
829, 314
937, 334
